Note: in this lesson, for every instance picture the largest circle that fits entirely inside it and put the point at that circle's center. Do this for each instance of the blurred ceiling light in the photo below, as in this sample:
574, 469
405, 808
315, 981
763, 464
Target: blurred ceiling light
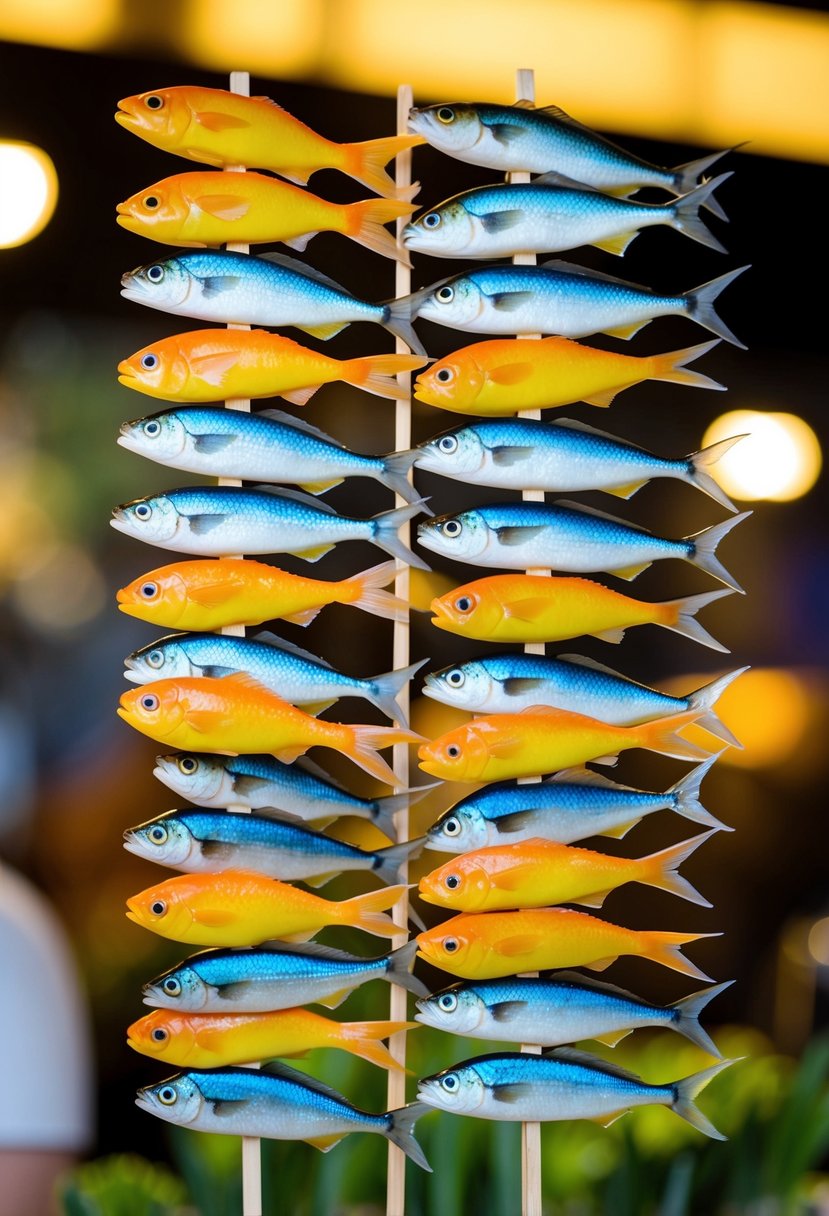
779, 459
819, 941
256, 35
80, 25
28, 201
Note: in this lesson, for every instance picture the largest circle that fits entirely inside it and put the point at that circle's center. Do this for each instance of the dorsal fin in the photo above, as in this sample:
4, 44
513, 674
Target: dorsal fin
312, 949
581, 660
308, 272
274, 1069
523, 104
298, 424
569, 505
587, 981
571, 1055
307, 500
572, 268
552, 178
586, 776
270, 639
573, 424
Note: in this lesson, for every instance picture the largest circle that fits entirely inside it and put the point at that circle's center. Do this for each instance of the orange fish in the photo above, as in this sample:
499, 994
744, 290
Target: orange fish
204, 365
195, 209
236, 715
213, 1040
534, 873
498, 378
494, 944
220, 128
210, 593
534, 608
541, 739
243, 908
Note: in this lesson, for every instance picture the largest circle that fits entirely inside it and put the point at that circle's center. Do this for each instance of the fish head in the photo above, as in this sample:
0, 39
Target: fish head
161, 437
166, 1036
453, 453
161, 116
179, 988
178, 1099
447, 231
454, 127
200, 779
166, 908
453, 946
458, 1010
159, 597
164, 284
459, 755
463, 537
461, 884
453, 383
153, 519
468, 610
157, 212
457, 302
459, 1090
457, 831
160, 370
165, 659
165, 840
156, 711
464, 686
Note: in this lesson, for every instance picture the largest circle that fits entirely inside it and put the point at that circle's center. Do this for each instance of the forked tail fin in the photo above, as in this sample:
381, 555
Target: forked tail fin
686, 1016
363, 591
368, 911
661, 736
366, 161
687, 1089
666, 948
663, 867
363, 1039
681, 617
672, 366
705, 543
364, 743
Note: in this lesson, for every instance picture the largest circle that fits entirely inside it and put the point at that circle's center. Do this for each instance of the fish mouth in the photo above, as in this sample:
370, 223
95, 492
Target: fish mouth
145, 1103
133, 673
132, 844
148, 997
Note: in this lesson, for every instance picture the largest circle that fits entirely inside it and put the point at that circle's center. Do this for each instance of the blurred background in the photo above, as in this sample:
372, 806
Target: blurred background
669, 80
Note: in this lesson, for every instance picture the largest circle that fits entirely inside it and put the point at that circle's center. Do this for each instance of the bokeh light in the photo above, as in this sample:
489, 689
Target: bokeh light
779, 458
28, 201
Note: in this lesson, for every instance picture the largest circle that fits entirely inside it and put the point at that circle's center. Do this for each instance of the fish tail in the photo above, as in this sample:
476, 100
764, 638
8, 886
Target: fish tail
376, 373
400, 969
686, 177
366, 739
661, 736
365, 220
397, 319
680, 617
388, 806
687, 1013
704, 700
364, 591
700, 462
700, 306
399, 1125
384, 690
368, 911
663, 869
362, 1039
366, 161
686, 213
666, 948
671, 366
391, 859
385, 533
396, 467
705, 546
686, 801
687, 1089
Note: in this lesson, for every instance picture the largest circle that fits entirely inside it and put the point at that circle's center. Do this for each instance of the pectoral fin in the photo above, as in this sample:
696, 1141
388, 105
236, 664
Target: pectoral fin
217, 284
517, 535
500, 221
511, 301
202, 524
527, 610
220, 122
203, 721
212, 594
223, 206
506, 456
511, 373
511, 1093
213, 918
211, 368
505, 748
522, 943
505, 1011
505, 132
207, 444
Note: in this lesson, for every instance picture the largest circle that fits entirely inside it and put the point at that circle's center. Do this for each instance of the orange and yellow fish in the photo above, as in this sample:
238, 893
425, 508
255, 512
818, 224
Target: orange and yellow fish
214, 1040
534, 608
494, 944
236, 715
542, 739
497, 378
203, 365
210, 593
535, 873
243, 908
220, 128
211, 208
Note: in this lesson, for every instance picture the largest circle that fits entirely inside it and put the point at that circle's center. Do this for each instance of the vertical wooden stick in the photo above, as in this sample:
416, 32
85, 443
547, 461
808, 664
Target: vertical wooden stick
396, 1091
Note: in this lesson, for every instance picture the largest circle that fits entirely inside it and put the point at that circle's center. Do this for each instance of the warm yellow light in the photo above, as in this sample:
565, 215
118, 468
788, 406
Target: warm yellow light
29, 192
819, 941
779, 459
83, 25
256, 35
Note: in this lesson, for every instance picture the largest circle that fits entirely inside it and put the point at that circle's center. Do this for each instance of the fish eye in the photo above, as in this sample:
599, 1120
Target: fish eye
450, 1083
155, 273
158, 907
453, 882
444, 294
445, 375
452, 528
152, 428
187, 765
149, 590
156, 658
456, 677
432, 220
172, 986
448, 443
464, 603
154, 102
159, 1035
151, 201
444, 114
143, 511
149, 702
452, 827
149, 362
448, 1002
158, 834
167, 1095
453, 751
450, 944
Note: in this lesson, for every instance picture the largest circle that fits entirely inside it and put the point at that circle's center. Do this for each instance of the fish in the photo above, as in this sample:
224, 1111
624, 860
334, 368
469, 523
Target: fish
559, 1009
204, 365
568, 536
560, 1084
267, 289
511, 682
285, 669
211, 594
572, 804
214, 1040
558, 297
536, 873
200, 841
500, 376
270, 446
237, 714
300, 790
220, 128
243, 908
527, 454
533, 608
197, 209
213, 520
524, 138
276, 1103
549, 214
277, 976
490, 945
543, 740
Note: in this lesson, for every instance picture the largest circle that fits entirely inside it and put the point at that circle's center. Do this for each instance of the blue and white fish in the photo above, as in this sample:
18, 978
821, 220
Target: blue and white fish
557, 1009
561, 298
214, 520
271, 289
549, 215
510, 682
276, 1103
198, 841
573, 804
564, 455
559, 1084
280, 975
270, 446
292, 673
568, 537
258, 782
522, 137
